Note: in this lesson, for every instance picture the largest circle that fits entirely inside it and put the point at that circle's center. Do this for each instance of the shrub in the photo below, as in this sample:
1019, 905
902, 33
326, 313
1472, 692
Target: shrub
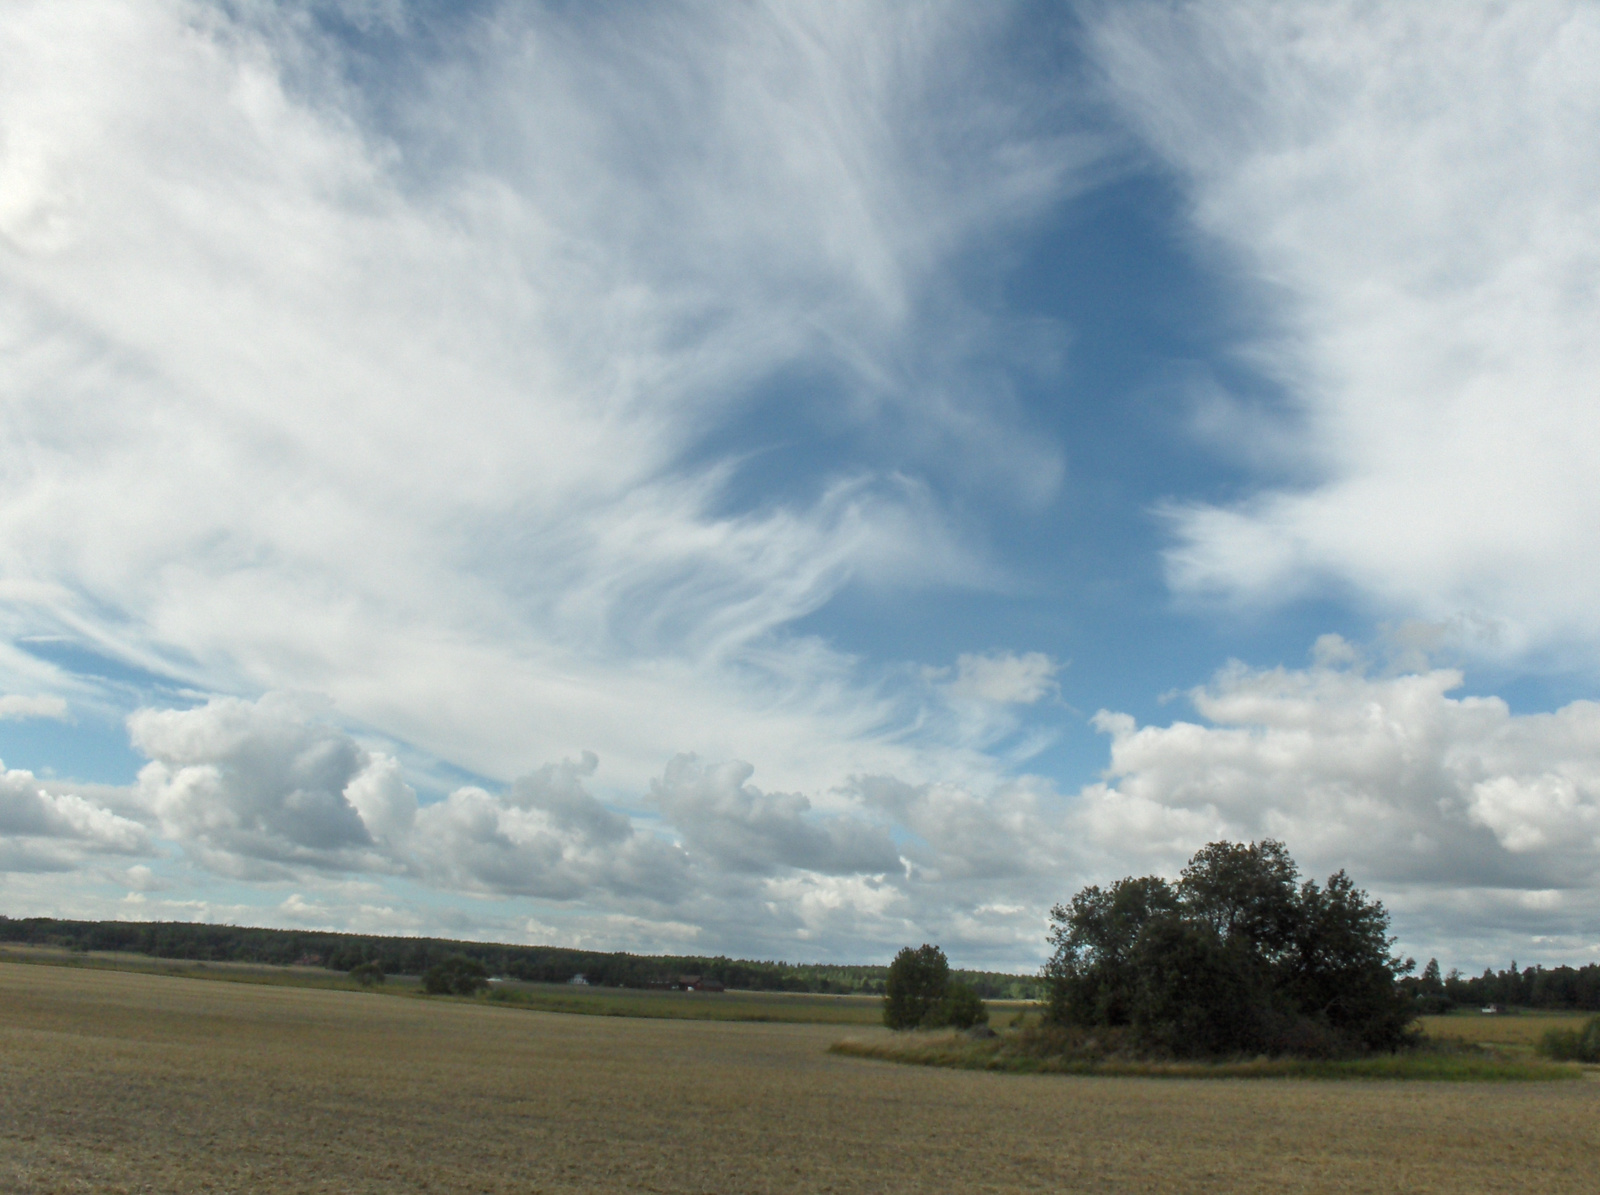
455, 976
1573, 1045
915, 986
961, 1008
367, 974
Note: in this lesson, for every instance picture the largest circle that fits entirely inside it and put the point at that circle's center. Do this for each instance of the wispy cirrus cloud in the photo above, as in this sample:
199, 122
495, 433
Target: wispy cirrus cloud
403, 394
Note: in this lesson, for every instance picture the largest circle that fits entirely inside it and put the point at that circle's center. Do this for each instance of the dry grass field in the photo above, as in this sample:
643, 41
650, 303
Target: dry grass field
798, 1007
114, 1081
1515, 1030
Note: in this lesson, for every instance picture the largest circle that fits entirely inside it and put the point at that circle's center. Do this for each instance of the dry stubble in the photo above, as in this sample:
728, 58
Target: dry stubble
135, 1082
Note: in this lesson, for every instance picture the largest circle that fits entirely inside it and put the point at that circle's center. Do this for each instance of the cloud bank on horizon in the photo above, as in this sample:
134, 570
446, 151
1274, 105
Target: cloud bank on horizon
652, 479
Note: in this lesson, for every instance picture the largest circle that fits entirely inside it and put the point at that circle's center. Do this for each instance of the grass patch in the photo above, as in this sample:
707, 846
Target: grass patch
772, 1007
1046, 1050
1515, 1030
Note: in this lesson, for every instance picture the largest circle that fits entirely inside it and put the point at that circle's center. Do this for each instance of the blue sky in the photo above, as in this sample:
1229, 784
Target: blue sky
795, 480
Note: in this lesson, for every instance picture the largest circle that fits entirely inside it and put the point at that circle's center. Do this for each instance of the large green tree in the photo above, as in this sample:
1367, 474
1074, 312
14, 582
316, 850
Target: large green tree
1237, 956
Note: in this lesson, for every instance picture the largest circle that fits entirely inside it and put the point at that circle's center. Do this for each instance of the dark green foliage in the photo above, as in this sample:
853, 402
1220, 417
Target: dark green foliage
1245, 893
1573, 1045
920, 993
959, 1008
367, 974
1237, 957
1196, 993
413, 956
1427, 991
916, 984
1090, 975
1574, 989
455, 976
1340, 972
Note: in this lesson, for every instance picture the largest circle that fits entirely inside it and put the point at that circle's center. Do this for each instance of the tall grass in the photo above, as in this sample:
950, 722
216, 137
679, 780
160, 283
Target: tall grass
1052, 1050
1573, 1045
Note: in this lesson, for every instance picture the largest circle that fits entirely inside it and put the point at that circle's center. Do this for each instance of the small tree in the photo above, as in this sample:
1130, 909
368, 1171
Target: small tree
455, 976
916, 984
367, 974
961, 1008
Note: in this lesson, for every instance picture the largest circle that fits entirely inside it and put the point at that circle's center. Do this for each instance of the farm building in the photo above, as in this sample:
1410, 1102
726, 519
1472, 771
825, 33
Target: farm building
697, 983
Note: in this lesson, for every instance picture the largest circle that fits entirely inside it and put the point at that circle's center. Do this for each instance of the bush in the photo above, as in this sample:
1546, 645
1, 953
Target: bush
367, 974
1573, 1045
456, 976
961, 1008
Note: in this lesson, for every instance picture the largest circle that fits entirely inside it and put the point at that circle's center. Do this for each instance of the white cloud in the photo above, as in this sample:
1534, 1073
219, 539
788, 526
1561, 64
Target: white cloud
739, 828
255, 788
405, 398
1479, 826
961, 832
1413, 189
1424, 796
42, 830
545, 837
13, 706
1004, 677
268, 792
141, 878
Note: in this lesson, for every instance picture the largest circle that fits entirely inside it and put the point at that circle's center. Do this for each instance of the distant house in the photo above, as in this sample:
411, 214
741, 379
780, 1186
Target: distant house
698, 983
579, 980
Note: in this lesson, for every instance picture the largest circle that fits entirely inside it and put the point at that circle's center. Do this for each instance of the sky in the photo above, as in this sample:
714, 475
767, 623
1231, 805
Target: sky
797, 480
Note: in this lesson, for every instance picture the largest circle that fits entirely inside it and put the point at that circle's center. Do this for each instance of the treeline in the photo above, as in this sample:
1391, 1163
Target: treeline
1572, 988
196, 942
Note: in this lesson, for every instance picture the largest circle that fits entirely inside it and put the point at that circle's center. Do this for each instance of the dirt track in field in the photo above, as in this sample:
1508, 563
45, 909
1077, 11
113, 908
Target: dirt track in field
118, 1082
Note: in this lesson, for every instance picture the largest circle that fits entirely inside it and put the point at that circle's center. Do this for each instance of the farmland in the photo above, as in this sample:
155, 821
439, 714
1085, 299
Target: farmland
138, 1081
1516, 1031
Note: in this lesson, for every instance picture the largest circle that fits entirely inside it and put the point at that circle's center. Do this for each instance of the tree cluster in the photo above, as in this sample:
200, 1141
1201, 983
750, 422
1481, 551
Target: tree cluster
413, 956
1576, 989
920, 993
1237, 957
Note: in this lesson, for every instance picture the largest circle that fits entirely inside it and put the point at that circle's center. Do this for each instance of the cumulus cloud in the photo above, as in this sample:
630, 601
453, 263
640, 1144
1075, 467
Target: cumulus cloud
1480, 826
42, 830
1413, 189
546, 837
737, 827
255, 787
962, 832
272, 791
1415, 791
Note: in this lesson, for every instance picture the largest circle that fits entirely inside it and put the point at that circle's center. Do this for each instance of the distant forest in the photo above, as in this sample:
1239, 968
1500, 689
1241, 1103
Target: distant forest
412, 956
1531, 987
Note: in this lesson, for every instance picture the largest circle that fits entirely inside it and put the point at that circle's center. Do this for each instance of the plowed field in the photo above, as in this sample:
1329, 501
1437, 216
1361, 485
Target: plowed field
123, 1082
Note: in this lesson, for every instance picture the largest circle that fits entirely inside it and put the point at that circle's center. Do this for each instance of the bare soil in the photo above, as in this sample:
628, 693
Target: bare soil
112, 1082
